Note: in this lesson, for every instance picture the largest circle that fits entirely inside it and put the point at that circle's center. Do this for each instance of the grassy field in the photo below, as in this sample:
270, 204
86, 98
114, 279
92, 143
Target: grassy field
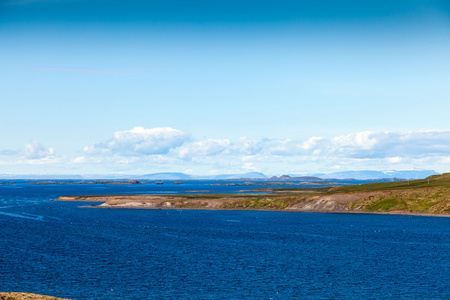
430, 195
440, 181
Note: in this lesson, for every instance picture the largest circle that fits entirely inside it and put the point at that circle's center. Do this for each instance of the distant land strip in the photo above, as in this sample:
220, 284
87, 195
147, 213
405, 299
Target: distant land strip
279, 183
430, 196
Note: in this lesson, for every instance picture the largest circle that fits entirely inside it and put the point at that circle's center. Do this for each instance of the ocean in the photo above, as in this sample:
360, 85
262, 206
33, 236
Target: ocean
61, 249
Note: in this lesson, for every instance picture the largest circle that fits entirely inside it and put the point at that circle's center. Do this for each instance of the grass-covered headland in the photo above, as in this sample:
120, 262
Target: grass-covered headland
426, 196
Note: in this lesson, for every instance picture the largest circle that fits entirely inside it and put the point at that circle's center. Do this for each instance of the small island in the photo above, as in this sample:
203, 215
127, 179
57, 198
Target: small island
430, 196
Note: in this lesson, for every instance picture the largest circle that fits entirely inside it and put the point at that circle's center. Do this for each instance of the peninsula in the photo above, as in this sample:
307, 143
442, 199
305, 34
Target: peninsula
430, 196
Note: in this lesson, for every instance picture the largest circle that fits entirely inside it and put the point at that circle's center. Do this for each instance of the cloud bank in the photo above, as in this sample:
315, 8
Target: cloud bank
141, 150
35, 150
140, 142
369, 145
380, 150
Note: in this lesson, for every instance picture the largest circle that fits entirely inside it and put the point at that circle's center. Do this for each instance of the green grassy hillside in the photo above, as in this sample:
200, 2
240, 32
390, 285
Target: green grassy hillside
441, 181
430, 195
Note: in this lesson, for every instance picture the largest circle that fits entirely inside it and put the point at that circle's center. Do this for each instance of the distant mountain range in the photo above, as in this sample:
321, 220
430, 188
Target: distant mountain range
359, 175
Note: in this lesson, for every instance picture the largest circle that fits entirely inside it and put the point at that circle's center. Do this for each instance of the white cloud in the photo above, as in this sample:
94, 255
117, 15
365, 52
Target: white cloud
220, 147
248, 146
285, 147
312, 143
140, 142
79, 160
368, 145
394, 160
249, 167
35, 150
360, 140
292, 147
393, 144
204, 148
141, 150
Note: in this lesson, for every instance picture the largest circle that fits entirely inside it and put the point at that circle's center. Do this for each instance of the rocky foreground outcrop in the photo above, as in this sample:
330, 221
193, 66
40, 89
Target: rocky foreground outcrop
26, 296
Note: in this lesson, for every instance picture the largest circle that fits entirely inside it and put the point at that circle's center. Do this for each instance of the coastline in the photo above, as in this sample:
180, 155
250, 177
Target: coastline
399, 213
341, 203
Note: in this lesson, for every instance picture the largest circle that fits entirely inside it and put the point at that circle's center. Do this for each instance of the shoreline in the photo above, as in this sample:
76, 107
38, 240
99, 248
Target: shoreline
341, 204
280, 210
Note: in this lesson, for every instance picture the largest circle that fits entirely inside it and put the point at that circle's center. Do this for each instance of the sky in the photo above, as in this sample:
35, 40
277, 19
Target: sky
213, 87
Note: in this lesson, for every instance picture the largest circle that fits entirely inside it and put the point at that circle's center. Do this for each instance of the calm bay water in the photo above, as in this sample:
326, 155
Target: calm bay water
60, 249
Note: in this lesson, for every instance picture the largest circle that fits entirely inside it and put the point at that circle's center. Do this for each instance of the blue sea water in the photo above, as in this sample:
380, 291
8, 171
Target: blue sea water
60, 249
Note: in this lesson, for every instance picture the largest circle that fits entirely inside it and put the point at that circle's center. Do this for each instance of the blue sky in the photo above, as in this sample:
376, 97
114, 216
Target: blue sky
223, 86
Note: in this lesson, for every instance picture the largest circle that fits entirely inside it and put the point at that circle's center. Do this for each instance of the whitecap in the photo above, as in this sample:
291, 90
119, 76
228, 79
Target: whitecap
24, 216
